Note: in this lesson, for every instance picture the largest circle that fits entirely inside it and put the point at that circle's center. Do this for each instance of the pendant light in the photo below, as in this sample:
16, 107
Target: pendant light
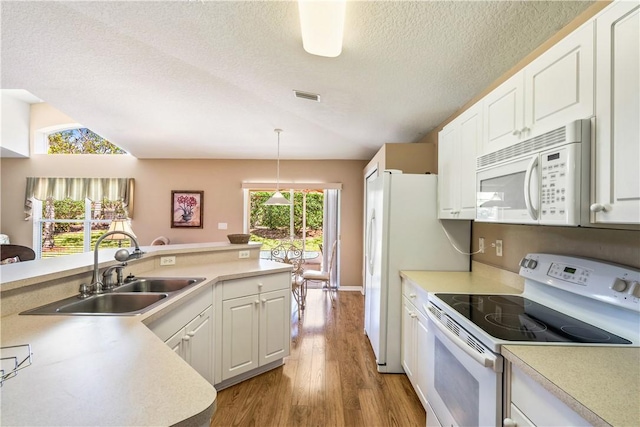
322, 26
277, 198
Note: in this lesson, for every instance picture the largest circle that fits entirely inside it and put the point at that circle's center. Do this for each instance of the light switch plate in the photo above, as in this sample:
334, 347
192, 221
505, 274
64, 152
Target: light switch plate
222, 226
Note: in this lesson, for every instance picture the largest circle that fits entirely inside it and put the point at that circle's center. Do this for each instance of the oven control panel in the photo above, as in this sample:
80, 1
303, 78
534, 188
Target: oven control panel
611, 283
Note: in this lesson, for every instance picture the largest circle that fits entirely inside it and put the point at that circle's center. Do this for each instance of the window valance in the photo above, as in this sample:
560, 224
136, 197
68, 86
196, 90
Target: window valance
94, 189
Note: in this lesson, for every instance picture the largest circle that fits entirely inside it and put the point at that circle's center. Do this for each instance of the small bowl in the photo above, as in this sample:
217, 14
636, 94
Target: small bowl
239, 238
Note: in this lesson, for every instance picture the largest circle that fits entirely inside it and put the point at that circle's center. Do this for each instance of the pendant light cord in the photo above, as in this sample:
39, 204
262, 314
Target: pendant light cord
278, 161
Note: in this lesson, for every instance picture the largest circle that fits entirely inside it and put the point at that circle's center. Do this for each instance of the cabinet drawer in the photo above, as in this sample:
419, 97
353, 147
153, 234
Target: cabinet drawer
538, 405
185, 311
415, 294
254, 285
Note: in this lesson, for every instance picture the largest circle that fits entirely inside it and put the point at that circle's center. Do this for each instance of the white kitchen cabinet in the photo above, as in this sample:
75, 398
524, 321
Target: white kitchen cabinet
457, 146
255, 324
553, 90
617, 143
188, 330
194, 343
530, 404
414, 338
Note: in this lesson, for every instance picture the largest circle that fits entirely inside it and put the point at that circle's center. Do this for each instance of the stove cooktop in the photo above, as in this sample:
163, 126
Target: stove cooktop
515, 318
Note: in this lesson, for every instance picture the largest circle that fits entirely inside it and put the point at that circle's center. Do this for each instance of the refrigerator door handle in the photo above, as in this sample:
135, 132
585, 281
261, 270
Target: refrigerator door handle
370, 242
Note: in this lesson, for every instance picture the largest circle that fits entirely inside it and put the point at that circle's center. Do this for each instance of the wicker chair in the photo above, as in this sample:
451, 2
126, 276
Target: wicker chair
322, 276
290, 253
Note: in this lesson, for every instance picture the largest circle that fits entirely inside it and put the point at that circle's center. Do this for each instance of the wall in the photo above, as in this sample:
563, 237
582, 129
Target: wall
408, 157
14, 139
221, 181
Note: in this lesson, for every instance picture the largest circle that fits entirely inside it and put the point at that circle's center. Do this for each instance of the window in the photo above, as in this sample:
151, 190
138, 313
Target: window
65, 227
73, 139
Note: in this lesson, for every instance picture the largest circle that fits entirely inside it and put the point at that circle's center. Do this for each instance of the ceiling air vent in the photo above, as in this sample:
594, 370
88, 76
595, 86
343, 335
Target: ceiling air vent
306, 95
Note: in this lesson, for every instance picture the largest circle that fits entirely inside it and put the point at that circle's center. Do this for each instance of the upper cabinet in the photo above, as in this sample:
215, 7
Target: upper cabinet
457, 147
553, 90
616, 176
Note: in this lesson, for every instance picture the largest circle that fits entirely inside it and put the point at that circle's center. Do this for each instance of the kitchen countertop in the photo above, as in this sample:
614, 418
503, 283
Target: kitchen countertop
112, 370
602, 384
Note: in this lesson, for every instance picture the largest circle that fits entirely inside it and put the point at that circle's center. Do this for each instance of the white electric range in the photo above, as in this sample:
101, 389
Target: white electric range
566, 301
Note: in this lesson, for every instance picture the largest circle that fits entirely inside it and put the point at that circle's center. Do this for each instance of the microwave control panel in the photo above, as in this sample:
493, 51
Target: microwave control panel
559, 179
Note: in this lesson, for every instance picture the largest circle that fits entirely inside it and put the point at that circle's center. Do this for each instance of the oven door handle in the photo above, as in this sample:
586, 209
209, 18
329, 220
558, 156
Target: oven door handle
487, 362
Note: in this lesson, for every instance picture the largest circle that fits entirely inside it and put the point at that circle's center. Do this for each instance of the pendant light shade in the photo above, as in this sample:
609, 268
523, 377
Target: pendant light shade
277, 198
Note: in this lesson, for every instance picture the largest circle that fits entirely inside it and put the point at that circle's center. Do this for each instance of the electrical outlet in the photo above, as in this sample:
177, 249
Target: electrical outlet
481, 245
222, 226
498, 247
243, 254
167, 260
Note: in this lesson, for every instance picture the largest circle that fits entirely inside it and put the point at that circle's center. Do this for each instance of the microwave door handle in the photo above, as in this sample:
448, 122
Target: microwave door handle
533, 213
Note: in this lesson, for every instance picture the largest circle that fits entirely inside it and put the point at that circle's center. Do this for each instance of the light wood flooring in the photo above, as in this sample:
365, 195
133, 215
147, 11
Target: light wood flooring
330, 378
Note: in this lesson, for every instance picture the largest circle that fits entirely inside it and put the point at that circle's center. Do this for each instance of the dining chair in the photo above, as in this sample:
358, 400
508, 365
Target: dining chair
16, 253
290, 253
322, 275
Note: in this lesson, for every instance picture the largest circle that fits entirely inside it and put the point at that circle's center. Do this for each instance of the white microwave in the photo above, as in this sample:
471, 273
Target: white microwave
543, 180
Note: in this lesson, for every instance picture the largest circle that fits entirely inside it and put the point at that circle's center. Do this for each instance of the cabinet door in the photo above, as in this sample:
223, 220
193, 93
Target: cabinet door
503, 113
421, 358
469, 141
447, 191
275, 325
559, 83
408, 339
239, 335
617, 150
175, 342
199, 347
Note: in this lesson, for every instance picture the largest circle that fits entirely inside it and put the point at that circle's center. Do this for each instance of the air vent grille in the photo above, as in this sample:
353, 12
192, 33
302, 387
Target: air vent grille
474, 345
537, 143
453, 327
306, 95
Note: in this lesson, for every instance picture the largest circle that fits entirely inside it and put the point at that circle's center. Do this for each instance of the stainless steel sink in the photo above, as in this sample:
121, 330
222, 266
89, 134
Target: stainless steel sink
112, 304
158, 284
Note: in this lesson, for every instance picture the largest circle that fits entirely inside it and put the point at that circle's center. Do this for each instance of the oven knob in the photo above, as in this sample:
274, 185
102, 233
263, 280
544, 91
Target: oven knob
619, 285
523, 262
636, 289
532, 264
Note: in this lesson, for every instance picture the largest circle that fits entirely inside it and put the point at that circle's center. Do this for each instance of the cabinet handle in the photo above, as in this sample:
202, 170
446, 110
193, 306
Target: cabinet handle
599, 207
256, 302
525, 129
413, 315
508, 422
264, 300
260, 285
187, 338
412, 295
190, 334
515, 133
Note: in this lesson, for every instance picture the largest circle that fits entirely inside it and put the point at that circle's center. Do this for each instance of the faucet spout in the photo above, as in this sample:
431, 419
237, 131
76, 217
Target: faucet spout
96, 283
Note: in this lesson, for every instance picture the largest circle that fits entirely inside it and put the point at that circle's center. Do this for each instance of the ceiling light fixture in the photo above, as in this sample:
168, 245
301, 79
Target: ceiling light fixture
322, 25
277, 198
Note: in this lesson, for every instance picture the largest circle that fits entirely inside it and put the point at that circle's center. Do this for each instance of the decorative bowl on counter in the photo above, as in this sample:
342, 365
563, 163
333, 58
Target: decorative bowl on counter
239, 238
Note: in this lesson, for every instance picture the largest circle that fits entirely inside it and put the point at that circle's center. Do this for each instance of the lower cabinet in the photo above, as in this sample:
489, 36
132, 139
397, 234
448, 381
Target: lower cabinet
194, 343
254, 329
414, 338
188, 330
530, 404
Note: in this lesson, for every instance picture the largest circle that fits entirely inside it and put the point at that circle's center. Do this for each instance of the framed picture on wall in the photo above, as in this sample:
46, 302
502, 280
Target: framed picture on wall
186, 208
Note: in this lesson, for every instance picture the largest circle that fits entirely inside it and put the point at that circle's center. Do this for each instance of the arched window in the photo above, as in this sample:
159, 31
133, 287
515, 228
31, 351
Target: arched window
73, 139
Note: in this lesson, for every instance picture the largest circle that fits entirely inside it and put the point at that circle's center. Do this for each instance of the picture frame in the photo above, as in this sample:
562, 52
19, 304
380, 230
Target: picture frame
187, 208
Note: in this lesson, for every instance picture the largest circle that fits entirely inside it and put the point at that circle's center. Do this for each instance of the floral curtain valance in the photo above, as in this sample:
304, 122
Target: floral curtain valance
94, 189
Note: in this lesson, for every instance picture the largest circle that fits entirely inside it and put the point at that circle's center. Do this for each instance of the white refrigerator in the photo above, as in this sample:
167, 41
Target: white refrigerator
403, 232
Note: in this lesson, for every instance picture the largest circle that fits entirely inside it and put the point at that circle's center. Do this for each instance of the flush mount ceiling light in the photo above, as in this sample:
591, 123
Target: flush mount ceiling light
277, 198
322, 25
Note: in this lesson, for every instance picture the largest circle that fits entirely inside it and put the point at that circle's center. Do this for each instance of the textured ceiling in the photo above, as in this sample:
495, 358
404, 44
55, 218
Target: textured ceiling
205, 79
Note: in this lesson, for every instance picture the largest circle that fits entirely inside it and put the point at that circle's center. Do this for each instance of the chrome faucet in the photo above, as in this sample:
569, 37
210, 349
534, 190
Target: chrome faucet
121, 255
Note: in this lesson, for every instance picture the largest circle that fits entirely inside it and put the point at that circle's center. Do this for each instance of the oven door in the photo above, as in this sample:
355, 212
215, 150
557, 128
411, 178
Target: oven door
509, 192
464, 386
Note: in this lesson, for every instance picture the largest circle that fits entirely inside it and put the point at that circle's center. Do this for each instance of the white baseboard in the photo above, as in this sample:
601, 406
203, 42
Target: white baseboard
351, 288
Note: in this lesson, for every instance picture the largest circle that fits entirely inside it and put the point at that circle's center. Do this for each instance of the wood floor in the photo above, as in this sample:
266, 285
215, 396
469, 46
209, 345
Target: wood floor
330, 378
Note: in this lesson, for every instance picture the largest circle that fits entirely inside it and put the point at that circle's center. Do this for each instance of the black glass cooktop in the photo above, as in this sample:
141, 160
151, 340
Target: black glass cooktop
514, 318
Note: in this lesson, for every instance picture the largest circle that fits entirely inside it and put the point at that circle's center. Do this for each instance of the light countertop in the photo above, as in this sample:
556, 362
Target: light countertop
602, 384
108, 371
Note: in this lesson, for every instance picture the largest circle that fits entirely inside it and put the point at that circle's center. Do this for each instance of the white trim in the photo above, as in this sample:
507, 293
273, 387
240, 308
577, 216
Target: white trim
292, 185
351, 289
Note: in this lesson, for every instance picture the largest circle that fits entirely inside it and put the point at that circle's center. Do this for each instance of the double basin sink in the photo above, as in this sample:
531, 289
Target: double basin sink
132, 298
